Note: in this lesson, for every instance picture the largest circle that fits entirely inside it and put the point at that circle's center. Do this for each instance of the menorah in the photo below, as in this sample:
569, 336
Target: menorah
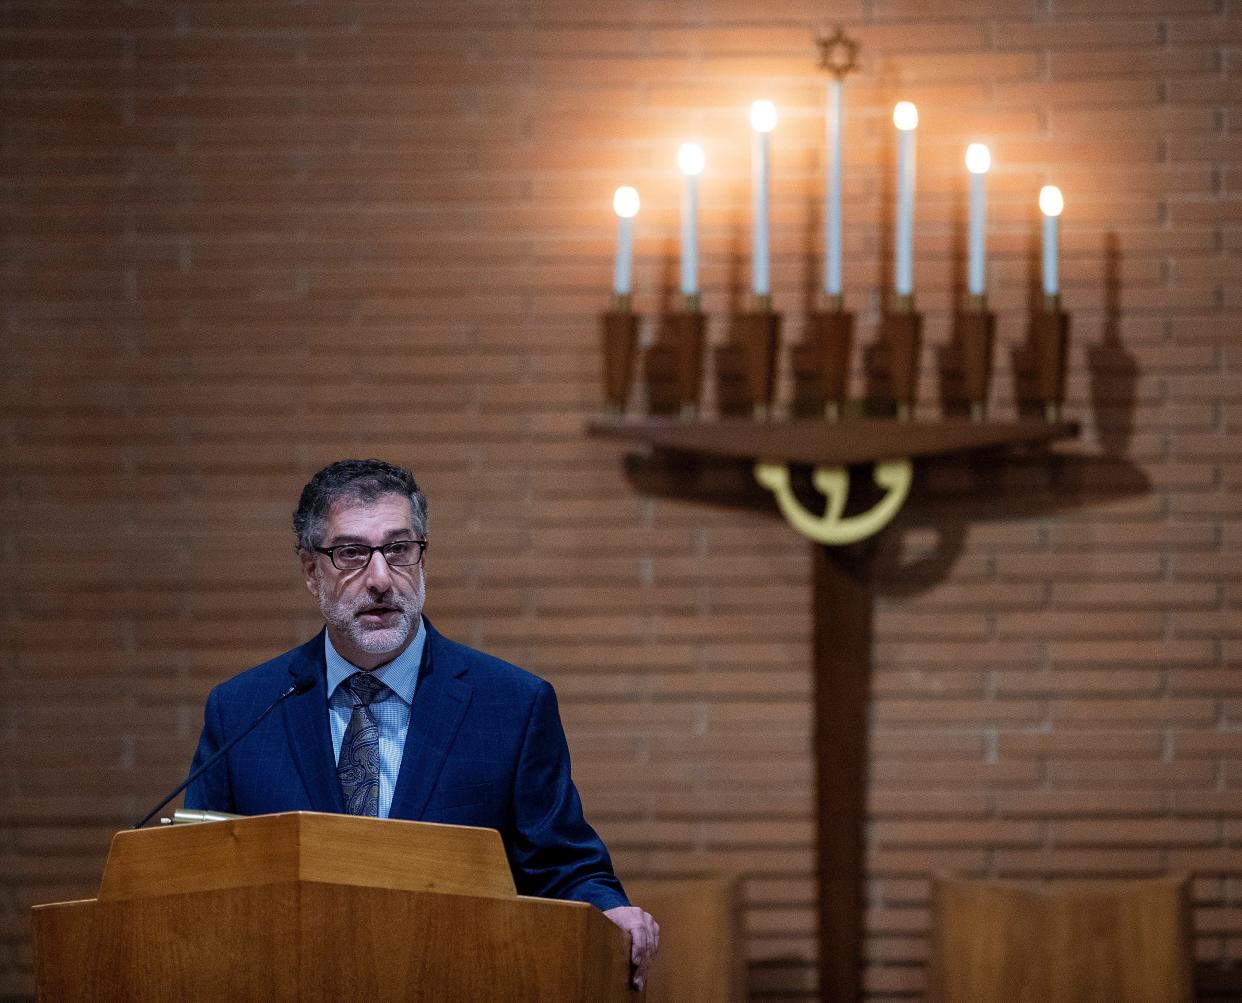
680, 438
745, 366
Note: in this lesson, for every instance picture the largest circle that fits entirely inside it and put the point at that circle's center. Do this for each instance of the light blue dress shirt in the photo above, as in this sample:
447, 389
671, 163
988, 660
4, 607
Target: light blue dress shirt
391, 708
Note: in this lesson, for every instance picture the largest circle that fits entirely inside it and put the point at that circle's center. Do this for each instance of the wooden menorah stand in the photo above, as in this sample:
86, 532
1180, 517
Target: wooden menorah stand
673, 366
974, 337
1049, 344
901, 338
746, 363
619, 337
821, 364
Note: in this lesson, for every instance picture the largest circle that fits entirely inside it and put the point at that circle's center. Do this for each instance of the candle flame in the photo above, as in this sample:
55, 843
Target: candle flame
978, 158
905, 116
690, 158
625, 202
1051, 201
763, 116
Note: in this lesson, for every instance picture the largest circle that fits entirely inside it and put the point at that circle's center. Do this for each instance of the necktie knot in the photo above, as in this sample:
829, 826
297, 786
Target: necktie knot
365, 687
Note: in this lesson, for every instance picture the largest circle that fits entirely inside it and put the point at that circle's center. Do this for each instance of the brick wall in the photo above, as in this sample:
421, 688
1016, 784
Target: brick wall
242, 239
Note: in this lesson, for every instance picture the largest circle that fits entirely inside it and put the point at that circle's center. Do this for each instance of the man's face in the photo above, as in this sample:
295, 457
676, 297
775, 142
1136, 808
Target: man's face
372, 613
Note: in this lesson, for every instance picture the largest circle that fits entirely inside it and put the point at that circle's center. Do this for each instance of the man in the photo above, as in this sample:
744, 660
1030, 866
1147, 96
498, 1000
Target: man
402, 722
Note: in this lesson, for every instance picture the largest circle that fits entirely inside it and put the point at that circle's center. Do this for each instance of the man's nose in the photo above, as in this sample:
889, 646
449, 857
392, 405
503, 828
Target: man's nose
378, 573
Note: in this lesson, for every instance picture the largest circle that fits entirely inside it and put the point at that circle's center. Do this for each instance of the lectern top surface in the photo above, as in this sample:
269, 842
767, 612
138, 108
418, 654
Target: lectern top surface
307, 846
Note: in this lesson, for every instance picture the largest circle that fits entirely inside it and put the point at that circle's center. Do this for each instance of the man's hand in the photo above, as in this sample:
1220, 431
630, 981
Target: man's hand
644, 939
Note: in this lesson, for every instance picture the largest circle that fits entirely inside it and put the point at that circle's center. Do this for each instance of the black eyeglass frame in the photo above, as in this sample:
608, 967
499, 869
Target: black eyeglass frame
330, 553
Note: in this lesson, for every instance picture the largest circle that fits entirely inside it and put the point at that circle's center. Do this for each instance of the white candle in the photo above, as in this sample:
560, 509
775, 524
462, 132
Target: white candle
906, 118
690, 160
763, 121
625, 205
832, 264
978, 162
1050, 204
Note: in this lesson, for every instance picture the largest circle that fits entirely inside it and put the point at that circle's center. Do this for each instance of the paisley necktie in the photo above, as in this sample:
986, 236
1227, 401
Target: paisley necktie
358, 766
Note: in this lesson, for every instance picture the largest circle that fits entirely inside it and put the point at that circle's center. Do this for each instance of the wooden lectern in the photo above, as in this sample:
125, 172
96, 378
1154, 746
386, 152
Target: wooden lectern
305, 906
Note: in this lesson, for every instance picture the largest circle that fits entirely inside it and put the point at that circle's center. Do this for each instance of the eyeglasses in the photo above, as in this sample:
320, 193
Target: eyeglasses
356, 556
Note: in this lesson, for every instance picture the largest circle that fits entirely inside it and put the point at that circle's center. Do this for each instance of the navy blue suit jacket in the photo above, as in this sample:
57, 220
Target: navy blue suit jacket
485, 747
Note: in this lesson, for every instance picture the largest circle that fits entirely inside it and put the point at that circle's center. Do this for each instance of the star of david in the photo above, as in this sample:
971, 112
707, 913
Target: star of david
838, 53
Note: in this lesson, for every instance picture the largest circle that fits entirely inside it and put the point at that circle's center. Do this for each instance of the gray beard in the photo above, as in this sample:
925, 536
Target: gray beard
342, 618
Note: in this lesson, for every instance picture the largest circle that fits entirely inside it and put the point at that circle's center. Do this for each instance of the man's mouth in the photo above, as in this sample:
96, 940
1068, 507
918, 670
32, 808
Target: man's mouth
377, 614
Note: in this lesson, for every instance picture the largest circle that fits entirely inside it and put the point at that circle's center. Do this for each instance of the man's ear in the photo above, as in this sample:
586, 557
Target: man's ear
310, 571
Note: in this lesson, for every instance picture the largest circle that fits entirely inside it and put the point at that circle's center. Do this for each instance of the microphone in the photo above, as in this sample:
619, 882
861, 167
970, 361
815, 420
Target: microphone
302, 683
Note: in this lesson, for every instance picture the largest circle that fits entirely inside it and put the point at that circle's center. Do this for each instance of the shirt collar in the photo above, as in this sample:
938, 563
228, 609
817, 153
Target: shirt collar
400, 675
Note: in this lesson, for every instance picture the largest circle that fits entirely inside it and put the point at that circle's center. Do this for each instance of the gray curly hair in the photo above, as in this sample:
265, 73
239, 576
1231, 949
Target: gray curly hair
361, 481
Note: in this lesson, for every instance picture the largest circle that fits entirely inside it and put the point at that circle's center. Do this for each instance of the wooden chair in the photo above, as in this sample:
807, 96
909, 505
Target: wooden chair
1070, 942
702, 958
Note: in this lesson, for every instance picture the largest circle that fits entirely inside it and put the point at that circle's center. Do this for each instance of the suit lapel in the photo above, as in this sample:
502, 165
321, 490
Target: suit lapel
309, 733
440, 702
